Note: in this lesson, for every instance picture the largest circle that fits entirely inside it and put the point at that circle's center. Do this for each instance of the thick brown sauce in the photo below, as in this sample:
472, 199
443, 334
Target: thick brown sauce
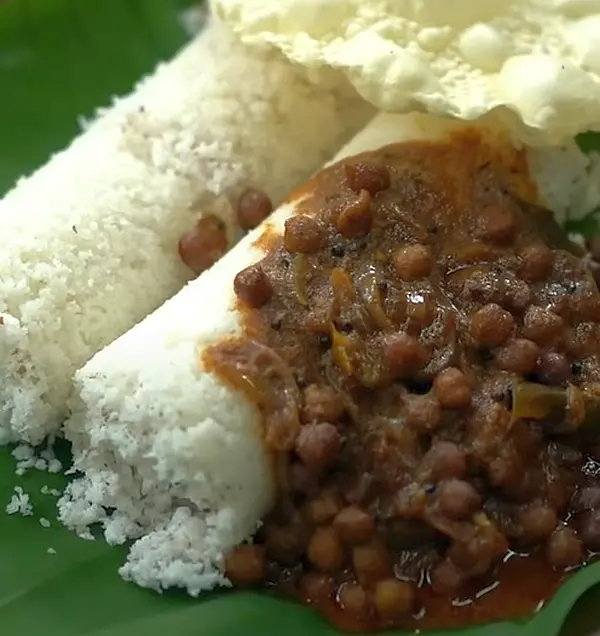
395, 349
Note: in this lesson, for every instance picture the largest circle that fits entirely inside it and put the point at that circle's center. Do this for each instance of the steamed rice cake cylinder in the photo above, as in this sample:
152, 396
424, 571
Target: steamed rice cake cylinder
91, 238
173, 454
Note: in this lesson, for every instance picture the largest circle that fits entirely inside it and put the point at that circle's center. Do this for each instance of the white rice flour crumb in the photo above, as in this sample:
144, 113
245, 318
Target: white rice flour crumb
46, 490
19, 503
27, 458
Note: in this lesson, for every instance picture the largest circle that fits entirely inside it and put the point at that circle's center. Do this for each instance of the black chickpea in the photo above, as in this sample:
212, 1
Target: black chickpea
452, 389
285, 543
491, 325
542, 326
367, 176
482, 287
537, 522
475, 555
371, 562
322, 509
497, 224
422, 412
519, 356
517, 296
403, 354
446, 460
325, 550
318, 444
554, 368
246, 565
302, 479
354, 599
354, 525
413, 262
254, 206
458, 499
446, 578
394, 598
303, 235
203, 246
252, 286
536, 262
564, 548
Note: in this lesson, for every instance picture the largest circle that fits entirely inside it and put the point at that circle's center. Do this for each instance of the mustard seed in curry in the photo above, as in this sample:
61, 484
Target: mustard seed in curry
426, 350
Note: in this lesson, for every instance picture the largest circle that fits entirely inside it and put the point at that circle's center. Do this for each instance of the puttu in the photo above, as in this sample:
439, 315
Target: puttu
91, 238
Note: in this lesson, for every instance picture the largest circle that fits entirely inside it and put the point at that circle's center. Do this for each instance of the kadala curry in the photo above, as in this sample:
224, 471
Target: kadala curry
424, 346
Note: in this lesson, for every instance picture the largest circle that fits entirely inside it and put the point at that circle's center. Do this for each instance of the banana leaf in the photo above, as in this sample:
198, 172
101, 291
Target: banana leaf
60, 60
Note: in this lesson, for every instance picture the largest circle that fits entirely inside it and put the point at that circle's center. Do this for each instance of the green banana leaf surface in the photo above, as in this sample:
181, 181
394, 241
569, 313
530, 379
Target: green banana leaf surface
59, 61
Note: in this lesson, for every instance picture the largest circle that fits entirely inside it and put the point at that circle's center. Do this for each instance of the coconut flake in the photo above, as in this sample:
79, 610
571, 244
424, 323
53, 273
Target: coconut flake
19, 503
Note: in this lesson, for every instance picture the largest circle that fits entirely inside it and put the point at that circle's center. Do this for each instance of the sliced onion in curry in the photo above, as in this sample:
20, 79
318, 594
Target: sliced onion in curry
267, 381
370, 289
301, 274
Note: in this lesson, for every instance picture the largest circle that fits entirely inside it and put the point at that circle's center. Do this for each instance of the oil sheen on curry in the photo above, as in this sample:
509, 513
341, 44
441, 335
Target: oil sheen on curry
424, 346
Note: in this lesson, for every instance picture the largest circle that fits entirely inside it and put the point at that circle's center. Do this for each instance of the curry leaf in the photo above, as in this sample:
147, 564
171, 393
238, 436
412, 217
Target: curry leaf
60, 59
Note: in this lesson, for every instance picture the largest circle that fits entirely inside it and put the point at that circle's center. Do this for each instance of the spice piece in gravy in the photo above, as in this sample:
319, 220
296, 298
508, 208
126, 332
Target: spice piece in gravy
433, 338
